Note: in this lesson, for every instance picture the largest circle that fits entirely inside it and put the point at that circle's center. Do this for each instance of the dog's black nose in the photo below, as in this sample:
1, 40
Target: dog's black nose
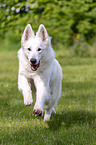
33, 61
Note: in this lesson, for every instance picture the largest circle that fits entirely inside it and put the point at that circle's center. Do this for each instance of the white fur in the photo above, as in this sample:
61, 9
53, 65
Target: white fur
47, 78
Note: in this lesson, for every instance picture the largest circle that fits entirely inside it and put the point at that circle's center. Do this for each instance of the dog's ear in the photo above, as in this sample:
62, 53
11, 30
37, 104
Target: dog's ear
28, 33
42, 33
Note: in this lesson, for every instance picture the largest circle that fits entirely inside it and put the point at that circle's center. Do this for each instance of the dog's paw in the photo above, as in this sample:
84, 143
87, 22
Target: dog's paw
28, 102
47, 117
37, 112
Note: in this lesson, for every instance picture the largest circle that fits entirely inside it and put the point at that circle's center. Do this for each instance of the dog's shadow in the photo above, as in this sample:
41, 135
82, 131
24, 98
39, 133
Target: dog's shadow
70, 118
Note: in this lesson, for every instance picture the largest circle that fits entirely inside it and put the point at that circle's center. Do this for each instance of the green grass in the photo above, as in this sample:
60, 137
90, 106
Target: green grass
75, 121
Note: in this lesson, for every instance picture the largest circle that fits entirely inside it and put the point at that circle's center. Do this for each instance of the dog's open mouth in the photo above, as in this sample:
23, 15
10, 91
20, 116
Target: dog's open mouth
35, 66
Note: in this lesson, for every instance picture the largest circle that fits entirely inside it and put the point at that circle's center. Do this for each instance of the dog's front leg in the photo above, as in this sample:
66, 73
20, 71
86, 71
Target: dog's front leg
25, 87
41, 96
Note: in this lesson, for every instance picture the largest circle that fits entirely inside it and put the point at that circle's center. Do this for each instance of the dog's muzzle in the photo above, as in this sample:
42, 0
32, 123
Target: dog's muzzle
34, 65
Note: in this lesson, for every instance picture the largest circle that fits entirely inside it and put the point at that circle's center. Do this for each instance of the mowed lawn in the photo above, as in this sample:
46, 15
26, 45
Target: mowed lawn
75, 121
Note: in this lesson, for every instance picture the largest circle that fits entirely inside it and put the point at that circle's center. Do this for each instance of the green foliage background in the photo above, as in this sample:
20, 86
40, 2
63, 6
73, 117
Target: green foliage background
67, 21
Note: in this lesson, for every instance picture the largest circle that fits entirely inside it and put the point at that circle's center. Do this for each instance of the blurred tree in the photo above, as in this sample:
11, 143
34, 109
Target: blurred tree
64, 19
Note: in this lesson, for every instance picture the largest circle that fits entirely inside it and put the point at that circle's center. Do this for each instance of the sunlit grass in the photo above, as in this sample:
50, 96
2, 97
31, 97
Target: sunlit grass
75, 121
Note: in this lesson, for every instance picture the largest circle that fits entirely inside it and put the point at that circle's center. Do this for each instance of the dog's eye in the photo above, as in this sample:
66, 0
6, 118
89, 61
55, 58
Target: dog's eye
39, 49
29, 49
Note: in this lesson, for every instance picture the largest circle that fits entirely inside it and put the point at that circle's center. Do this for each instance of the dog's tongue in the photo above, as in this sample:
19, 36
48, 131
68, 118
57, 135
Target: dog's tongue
35, 67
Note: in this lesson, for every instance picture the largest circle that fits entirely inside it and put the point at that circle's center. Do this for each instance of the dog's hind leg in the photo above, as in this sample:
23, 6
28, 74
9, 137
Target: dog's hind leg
25, 87
48, 113
53, 110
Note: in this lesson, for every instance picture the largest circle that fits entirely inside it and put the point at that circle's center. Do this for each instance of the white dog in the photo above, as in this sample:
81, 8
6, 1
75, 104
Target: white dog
37, 61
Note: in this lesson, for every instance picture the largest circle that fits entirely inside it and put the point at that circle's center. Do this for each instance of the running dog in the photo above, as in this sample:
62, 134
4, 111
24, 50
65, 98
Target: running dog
37, 62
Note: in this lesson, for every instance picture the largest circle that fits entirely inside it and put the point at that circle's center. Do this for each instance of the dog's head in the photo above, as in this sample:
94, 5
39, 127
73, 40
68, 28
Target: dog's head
35, 46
